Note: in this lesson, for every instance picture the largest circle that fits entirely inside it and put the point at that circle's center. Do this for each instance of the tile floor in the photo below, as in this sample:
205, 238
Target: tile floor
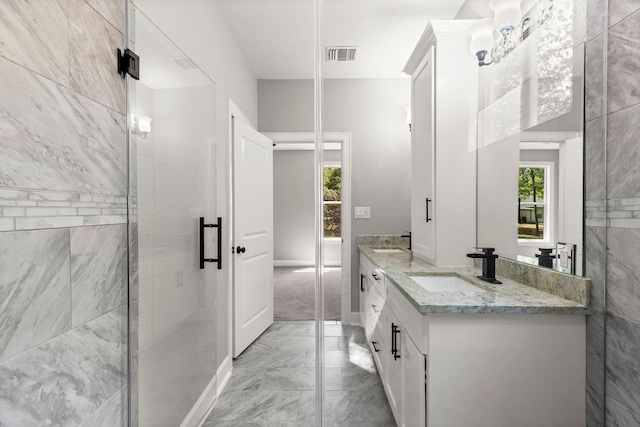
273, 381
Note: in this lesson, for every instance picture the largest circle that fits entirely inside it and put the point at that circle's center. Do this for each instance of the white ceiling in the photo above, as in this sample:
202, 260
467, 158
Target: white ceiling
276, 36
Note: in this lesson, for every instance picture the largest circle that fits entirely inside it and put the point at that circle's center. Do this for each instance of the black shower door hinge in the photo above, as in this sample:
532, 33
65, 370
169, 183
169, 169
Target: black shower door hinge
128, 63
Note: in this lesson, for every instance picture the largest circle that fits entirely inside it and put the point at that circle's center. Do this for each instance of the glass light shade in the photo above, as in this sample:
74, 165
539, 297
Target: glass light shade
144, 124
481, 34
507, 15
408, 109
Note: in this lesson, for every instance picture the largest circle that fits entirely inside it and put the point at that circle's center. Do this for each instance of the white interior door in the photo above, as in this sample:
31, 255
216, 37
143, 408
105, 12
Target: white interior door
253, 235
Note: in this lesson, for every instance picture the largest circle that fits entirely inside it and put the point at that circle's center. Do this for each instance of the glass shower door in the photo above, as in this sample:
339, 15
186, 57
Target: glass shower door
172, 186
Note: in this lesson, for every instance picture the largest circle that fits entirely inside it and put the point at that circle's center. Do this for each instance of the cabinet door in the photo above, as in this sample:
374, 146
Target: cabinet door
423, 197
414, 401
363, 295
393, 341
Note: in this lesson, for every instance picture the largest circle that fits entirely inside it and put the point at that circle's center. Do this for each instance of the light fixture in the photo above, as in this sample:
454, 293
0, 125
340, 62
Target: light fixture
141, 125
482, 41
507, 15
408, 110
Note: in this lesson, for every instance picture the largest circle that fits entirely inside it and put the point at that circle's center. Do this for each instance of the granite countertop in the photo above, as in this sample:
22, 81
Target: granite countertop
509, 297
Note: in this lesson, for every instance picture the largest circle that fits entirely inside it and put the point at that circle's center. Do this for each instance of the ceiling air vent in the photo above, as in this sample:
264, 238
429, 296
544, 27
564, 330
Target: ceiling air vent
341, 53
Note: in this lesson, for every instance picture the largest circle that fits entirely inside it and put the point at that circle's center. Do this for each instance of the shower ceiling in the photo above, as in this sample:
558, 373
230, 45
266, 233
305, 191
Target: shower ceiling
276, 36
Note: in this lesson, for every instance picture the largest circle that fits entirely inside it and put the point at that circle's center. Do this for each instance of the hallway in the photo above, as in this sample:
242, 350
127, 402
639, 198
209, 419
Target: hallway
273, 381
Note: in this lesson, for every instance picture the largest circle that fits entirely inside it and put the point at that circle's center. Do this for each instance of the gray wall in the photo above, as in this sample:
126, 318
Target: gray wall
293, 206
63, 232
612, 234
373, 110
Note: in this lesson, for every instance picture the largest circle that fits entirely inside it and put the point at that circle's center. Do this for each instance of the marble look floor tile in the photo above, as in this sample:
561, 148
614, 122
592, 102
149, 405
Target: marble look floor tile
345, 342
623, 361
256, 358
623, 153
623, 64
34, 289
594, 79
361, 405
39, 36
284, 342
623, 272
93, 75
66, 379
621, 9
113, 413
595, 407
619, 416
360, 424
299, 379
245, 379
98, 271
291, 328
249, 423
354, 333
256, 405
360, 379
55, 139
358, 357
112, 11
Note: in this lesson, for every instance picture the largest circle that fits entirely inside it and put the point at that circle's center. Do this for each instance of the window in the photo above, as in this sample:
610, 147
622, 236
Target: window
332, 202
533, 202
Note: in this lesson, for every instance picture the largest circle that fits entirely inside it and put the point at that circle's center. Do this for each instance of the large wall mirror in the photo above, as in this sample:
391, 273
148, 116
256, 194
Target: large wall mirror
530, 138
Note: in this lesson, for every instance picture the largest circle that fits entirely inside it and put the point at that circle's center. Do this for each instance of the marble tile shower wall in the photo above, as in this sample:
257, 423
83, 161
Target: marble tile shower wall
613, 212
63, 231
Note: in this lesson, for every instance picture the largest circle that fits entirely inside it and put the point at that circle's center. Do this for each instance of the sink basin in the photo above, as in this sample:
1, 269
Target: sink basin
445, 284
388, 251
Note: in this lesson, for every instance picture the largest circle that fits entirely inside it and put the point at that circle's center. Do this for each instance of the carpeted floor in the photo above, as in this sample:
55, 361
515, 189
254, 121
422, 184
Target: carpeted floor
294, 293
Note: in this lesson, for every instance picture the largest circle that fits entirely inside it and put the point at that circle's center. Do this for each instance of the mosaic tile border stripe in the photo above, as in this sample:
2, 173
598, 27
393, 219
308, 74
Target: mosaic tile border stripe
22, 209
620, 213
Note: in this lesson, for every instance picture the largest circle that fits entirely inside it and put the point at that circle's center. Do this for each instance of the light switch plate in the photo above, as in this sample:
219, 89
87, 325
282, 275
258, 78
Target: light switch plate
363, 212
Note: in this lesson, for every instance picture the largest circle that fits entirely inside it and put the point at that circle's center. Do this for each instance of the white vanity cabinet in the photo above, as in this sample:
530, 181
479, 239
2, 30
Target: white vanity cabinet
443, 137
476, 369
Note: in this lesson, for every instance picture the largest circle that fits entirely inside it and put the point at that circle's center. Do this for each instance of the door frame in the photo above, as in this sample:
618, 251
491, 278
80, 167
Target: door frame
306, 141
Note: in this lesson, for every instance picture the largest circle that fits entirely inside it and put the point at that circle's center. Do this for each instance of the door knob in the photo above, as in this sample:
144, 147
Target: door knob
240, 250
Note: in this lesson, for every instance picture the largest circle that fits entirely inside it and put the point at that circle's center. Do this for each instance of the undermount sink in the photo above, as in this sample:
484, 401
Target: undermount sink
388, 251
445, 284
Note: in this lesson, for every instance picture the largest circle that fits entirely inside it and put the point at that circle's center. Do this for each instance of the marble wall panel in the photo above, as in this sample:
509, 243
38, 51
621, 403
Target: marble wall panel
623, 361
595, 256
595, 148
36, 36
95, 75
595, 349
34, 289
619, 416
621, 9
623, 272
596, 16
594, 80
113, 413
66, 379
112, 10
98, 271
57, 140
595, 407
623, 152
623, 64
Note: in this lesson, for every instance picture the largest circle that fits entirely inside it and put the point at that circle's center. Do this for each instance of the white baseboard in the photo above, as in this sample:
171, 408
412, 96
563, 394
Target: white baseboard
299, 263
355, 318
224, 373
203, 406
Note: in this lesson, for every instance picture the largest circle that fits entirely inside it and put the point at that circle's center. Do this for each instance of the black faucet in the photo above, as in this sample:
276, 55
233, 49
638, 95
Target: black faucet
545, 257
409, 236
488, 264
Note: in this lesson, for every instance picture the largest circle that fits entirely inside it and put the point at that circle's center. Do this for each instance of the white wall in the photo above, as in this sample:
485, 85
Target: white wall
373, 110
199, 29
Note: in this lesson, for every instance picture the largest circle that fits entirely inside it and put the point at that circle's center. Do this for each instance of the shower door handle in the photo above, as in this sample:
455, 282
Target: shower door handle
217, 225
